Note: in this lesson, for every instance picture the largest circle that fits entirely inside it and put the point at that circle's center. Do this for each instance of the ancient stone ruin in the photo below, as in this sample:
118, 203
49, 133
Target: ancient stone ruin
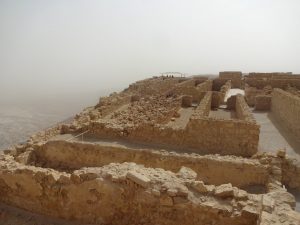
167, 150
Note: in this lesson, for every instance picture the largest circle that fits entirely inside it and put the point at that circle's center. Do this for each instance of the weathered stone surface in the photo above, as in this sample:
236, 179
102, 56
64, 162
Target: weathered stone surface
268, 203
202, 188
224, 191
101, 182
138, 178
187, 173
251, 212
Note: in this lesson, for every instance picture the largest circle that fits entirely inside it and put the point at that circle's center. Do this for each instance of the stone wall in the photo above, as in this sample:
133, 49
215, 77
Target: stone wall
275, 75
202, 134
274, 83
126, 193
286, 108
251, 93
110, 104
234, 76
218, 83
233, 137
152, 86
204, 107
189, 87
242, 109
220, 91
263, 102
211, 169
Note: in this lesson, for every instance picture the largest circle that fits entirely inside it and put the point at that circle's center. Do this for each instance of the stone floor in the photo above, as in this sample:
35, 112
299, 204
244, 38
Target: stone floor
182, 121
274, 136
222, 114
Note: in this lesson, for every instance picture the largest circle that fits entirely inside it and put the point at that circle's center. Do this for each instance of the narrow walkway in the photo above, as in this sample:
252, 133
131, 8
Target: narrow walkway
274, 136
182, 121
222, 114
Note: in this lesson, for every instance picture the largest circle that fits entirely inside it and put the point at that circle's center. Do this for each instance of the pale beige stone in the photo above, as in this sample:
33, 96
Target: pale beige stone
138, 178
224, 191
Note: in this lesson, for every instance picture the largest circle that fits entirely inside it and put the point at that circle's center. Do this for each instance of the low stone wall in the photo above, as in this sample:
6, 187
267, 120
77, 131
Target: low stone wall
226, 137
204, 107
242, 109
274, 83
218, 97
234, 76
224, 90
205, 86
218, 83
202, 134
154, 85
126, 193
251, 93
286, 108
263, 102
274, 75
189, 88
211, 169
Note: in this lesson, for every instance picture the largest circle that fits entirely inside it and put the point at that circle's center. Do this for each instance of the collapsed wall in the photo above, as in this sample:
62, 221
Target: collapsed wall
286, 108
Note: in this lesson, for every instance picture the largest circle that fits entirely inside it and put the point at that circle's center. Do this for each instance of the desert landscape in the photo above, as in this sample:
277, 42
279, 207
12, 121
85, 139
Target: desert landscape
169, 149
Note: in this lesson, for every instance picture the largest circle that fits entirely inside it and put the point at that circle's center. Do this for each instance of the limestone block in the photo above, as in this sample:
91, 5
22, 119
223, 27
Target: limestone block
267, 203
250, 212
172, 192
202, 188
281, 197
281, 153
240, 194
25, 157
138, 178
155, 192
224, 191
187, 173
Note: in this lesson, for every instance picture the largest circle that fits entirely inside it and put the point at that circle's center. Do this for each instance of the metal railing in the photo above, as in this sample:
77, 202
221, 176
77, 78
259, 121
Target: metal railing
78, 135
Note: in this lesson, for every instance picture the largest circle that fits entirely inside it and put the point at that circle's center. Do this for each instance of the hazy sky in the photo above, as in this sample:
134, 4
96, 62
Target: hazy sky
69, 49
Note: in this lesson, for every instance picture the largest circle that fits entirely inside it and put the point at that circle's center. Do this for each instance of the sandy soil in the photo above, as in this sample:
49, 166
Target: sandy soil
15, 216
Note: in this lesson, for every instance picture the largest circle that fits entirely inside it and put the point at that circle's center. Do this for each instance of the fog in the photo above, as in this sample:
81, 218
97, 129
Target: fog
59, 56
